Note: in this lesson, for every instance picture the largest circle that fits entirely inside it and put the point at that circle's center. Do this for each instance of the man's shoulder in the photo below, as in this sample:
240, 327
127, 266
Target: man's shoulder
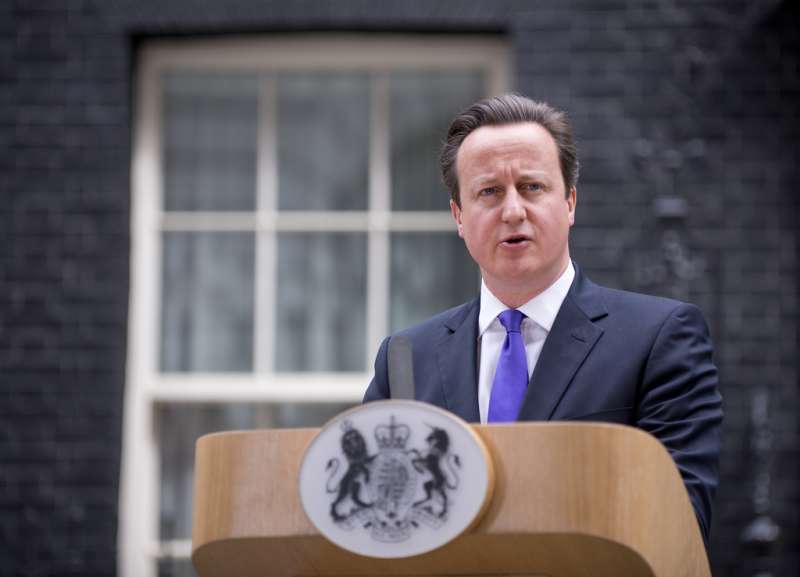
624, 299
637, 305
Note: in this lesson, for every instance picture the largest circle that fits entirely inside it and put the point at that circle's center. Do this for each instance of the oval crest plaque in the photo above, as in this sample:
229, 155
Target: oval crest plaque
395, 478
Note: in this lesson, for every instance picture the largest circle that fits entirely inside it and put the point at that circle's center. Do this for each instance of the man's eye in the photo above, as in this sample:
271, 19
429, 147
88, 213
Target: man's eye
533, 186
488, 191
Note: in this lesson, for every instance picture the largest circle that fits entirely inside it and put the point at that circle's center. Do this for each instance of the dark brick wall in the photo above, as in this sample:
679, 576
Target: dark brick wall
687, 118
64, 161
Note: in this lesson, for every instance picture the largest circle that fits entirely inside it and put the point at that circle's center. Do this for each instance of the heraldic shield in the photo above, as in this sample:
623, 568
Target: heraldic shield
395, 478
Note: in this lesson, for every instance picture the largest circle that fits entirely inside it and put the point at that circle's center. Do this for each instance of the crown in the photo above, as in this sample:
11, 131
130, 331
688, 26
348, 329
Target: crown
392, 436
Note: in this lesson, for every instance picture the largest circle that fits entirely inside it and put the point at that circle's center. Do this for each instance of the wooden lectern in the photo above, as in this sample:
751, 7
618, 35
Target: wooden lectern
570, 500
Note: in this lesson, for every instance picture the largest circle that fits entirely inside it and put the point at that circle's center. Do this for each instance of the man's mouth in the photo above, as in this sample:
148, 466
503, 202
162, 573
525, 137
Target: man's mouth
515, 239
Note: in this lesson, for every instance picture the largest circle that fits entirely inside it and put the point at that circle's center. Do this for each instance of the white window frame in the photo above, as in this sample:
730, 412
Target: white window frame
146, 387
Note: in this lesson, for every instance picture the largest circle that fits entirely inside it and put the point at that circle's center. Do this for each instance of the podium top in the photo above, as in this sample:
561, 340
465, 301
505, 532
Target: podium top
570, 499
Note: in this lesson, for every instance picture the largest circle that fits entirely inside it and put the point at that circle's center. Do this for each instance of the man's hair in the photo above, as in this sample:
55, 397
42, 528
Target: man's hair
509, 109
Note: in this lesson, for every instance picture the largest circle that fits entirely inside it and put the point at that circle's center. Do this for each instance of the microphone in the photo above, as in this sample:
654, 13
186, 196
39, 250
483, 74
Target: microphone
401, 368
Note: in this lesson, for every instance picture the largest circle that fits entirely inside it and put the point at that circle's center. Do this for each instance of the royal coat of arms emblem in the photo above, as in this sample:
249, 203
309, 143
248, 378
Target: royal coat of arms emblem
379, 491
394, 475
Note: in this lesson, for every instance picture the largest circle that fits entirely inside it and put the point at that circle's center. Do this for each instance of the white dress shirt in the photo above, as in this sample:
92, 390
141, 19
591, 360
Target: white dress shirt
540, 313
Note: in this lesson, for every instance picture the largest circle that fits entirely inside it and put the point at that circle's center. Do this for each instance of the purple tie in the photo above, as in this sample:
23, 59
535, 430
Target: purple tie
511, 376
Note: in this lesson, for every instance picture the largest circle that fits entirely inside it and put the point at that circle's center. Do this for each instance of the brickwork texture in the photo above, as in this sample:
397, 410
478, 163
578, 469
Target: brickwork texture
687, 120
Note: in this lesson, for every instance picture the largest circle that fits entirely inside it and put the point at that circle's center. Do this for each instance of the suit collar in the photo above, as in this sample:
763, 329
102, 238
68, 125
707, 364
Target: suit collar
587, 296
572, 337
541, 309
570, 340
457, 358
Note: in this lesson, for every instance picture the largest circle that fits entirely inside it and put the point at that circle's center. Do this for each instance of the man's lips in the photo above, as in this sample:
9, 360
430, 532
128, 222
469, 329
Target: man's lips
515, 240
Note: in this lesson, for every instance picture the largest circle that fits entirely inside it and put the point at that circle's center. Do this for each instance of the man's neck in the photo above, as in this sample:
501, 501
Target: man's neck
513, 296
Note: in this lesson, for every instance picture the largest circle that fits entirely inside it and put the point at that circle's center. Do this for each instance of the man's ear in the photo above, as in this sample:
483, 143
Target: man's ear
572, 200
456, 212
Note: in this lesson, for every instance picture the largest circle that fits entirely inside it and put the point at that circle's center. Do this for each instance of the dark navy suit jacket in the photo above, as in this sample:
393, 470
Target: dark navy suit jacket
610, 356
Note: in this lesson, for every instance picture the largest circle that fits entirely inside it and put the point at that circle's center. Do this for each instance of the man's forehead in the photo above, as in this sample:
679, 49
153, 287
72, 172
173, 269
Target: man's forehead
525, 145
499, 140
521, 131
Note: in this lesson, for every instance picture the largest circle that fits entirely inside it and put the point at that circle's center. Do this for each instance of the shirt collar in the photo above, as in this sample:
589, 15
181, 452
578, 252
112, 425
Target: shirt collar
541, 309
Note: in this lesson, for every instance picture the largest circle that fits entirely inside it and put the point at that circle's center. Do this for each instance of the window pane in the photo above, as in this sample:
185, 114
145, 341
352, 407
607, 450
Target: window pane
323, 141
180, 426
321, 312
176, 568
423, 285
210, 128
422, 106
207, 301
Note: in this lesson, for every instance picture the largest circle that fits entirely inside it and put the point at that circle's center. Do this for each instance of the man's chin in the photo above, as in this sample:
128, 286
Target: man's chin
527, 276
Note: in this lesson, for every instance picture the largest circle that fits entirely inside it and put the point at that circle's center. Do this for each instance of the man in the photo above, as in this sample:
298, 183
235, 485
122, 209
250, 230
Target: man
542, 342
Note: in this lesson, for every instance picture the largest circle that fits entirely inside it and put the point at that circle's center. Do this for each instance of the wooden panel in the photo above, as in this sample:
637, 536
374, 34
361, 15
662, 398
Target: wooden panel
570, 499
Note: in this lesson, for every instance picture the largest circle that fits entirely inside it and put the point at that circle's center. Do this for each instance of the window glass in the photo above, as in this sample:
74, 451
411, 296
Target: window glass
323, 141
321, 308
209, 138
207, 301
422, 104
176, 568
181, 425
421, 287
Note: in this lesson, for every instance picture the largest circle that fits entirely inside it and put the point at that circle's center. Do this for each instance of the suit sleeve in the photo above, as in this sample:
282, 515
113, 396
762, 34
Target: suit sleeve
680, 405
379, 386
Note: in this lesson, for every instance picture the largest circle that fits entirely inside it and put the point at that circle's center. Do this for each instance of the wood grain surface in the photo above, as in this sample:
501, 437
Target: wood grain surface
570, 500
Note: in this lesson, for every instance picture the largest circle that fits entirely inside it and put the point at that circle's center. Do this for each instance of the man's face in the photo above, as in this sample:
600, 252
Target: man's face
515, 214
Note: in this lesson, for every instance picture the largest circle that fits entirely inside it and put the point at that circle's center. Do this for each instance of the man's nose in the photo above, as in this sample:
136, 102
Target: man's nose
513, 209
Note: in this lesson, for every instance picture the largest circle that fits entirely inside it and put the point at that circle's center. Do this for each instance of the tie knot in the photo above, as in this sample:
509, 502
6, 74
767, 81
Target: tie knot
511, 319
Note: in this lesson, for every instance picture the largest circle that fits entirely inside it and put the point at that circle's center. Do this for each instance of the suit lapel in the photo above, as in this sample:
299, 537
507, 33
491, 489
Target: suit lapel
571, 338
457, 357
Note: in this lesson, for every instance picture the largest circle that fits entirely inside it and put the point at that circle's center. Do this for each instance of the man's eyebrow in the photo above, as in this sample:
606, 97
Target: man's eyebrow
534, 174
482, 180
